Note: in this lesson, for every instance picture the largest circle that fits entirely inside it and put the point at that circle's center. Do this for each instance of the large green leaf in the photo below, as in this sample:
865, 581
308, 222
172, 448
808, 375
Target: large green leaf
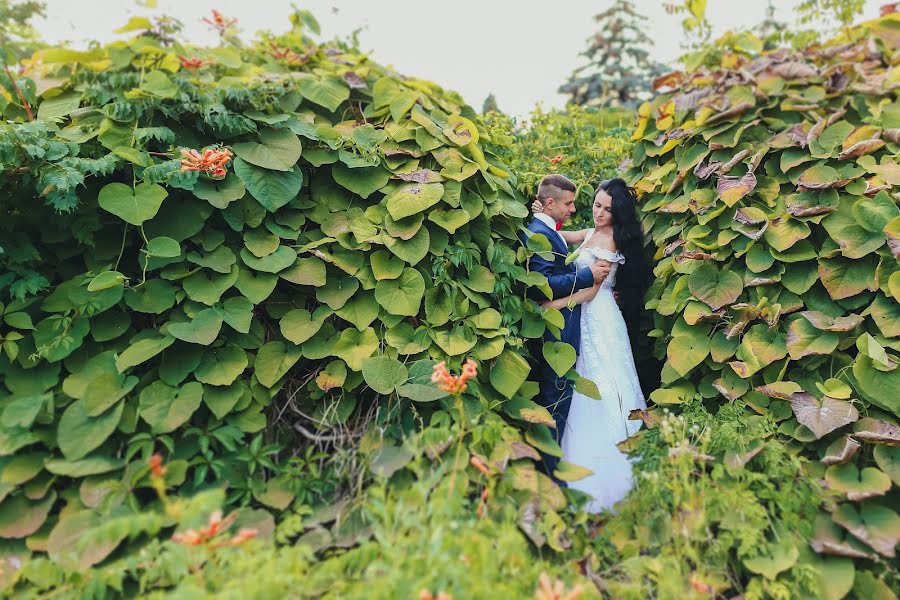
413, 198
273, 189
383, 374
804, 339
776, 558
362, 181
508, 373
156, 296
207, 287
132, 205
275, 262
274, 360
687, 350
142, 351
20, 518
715, 288
166, 408
329, 92
220, 192
355, 346
78, 433
560, 356
401, 296
280, 150
202, 329
298, 325
222, 365
844, 278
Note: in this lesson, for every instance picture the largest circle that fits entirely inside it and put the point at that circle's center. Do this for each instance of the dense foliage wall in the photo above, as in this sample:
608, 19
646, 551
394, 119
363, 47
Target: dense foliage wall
230, 255
769, 186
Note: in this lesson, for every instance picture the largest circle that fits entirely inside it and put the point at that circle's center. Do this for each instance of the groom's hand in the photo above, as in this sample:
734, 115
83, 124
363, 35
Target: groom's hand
600, 271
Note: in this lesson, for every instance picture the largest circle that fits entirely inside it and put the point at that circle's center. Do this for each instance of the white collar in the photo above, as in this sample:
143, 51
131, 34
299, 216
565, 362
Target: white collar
546, 220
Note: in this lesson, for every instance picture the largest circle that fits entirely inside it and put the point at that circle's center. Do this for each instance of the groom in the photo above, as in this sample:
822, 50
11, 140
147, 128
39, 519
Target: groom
557, 195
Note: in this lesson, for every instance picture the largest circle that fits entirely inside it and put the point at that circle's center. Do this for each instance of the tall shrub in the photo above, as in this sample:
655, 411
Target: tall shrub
769, 189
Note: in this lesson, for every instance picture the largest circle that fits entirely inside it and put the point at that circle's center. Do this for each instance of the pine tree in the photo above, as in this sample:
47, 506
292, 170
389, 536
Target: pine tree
490, 104
771, 31
619, 69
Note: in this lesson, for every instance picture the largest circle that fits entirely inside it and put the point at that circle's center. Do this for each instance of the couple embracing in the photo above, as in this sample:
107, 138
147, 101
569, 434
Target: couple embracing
609, 270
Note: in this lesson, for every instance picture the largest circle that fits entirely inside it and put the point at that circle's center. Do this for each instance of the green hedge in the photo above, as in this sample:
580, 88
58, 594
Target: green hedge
359, 234
769, 190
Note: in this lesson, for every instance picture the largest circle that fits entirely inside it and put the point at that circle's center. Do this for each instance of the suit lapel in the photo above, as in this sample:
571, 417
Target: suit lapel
555, 240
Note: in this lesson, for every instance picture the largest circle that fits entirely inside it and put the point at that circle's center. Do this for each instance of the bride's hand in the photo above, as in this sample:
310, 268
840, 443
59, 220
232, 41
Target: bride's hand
537, 207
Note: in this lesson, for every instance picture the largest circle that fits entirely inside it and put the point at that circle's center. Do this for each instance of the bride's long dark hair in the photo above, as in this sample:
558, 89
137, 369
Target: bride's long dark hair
632, 278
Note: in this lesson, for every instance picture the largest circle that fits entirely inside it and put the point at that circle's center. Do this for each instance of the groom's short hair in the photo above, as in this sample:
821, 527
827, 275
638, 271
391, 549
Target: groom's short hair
552, 186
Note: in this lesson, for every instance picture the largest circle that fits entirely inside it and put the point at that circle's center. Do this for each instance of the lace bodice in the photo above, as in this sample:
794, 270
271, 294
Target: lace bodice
587, 256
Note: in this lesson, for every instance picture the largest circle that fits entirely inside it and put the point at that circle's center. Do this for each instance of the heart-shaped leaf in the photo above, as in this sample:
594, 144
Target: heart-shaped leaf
202, 329
383, 374
132, 205
822, 417
166, 408
560, 356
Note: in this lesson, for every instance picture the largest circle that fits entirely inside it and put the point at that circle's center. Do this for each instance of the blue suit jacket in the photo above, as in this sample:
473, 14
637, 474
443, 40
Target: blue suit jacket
564, 280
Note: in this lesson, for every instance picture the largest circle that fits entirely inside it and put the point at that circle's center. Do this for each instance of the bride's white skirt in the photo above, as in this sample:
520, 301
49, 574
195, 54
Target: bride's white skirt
594, 427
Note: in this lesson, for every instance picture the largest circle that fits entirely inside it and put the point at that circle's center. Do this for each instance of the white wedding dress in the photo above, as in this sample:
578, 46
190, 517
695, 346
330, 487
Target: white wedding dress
594, 427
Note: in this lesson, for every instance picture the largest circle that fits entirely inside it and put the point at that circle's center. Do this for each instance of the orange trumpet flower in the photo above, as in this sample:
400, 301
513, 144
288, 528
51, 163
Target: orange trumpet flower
212, 161
450, 383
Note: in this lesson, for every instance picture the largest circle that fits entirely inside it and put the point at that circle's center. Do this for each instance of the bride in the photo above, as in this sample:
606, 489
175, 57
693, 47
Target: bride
595, 427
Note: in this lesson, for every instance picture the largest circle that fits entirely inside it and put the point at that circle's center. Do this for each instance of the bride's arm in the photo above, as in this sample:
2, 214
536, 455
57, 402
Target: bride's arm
579, 297
573, 237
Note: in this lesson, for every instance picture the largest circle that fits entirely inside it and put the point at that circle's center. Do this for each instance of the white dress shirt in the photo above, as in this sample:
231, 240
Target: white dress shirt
549, 222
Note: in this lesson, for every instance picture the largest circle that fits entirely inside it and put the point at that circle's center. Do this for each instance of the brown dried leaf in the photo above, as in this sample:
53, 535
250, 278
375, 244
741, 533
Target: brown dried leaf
522, 450
649, 417
881, 539
822, 417
669, 80
794, 69
354, 81
861, 148
841, 451
725, 168
732, 189
704, 170
734, 111
877, 432
822, 321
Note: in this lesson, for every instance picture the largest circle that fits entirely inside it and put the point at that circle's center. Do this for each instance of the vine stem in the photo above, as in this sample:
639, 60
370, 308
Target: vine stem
462, 435
19, 92
122, 248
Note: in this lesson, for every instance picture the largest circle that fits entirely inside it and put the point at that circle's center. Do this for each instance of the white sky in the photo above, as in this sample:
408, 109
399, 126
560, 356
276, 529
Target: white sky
521, 50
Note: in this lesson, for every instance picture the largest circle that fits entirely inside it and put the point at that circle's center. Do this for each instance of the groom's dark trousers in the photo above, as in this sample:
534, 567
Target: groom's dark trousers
564, 279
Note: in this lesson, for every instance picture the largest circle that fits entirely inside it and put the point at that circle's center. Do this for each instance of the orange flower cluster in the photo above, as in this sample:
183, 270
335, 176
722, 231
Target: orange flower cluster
218, 22
194, 62
556, 590
216, 525
288, 55
156, 466
211, 161
451, 383
427, 595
